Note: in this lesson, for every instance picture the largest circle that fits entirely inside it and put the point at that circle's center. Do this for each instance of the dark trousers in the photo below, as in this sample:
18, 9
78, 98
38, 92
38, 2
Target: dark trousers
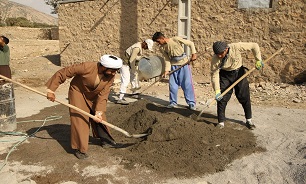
242, 92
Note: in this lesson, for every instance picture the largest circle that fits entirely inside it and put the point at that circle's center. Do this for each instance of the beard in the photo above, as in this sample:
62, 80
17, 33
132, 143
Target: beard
106, 74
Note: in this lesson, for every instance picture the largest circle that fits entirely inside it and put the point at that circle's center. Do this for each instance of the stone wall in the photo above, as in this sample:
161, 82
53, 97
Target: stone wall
92, 28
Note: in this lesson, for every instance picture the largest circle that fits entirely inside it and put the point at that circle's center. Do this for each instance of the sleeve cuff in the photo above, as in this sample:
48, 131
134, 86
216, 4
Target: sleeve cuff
50, 91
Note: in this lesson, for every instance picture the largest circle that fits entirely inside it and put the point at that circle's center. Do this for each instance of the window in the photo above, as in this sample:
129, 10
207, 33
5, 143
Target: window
255, 3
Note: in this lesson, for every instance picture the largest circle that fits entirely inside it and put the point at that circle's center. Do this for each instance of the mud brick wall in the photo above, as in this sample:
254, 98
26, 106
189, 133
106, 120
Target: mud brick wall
90, 29
21, 33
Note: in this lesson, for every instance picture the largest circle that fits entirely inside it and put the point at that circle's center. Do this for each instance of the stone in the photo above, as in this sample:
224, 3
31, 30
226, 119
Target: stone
296, 100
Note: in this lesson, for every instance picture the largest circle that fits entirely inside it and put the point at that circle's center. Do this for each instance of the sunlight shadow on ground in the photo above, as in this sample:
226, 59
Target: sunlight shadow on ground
55, 59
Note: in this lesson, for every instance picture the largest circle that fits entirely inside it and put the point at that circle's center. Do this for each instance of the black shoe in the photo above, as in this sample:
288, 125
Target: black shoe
80, 155
250, 125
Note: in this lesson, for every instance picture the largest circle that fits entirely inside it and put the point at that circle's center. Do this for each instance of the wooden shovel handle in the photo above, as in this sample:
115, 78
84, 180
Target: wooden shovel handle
171, 72
213, 101
70, 106
247, 73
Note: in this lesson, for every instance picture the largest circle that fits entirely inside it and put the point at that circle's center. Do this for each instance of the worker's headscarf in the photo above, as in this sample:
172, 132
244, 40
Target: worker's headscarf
219, 47
110, 61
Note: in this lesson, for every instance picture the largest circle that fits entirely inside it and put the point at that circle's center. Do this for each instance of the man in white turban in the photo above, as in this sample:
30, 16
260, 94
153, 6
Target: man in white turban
89, 90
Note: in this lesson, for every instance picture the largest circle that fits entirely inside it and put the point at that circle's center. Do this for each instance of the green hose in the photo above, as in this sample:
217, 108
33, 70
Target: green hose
50, 118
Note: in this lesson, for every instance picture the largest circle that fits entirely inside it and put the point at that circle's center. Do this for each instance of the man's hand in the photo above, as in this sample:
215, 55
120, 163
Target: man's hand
193, 57
98, 117
145, 57
165, 74
51, 96
2, 43
218, 96
259, 64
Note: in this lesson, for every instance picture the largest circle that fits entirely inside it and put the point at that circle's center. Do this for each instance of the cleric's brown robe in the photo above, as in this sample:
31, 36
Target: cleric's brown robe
84, 94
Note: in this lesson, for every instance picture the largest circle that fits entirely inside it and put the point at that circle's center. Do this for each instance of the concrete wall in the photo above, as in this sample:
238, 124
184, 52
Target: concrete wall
90, 29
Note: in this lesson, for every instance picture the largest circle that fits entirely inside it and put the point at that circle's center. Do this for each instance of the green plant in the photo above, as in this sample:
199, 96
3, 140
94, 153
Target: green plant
23, 22
52, 3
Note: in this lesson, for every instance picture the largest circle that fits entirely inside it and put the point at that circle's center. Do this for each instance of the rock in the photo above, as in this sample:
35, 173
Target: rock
252, 87
262, 84
296, 100
259, 88
268, 86
202, 103
283, 85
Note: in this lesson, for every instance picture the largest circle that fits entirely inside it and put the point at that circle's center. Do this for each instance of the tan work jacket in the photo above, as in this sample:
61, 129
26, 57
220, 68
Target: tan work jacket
133, 54
234, 60
173, 48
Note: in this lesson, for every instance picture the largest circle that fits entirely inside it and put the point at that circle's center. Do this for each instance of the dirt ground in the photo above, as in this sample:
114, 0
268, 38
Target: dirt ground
178, 148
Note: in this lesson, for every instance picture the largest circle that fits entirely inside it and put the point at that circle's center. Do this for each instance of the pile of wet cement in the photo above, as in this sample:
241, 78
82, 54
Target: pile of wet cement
177, 145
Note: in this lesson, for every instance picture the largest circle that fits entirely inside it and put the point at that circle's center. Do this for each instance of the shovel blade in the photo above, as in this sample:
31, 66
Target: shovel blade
194, 117
139, 135
206, 105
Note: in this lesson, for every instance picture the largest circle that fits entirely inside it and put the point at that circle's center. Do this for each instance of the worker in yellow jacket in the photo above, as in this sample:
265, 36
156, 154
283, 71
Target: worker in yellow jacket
226, 68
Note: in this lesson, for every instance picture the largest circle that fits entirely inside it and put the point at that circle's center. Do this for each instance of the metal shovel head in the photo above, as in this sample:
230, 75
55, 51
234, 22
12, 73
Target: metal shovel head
196, 117
146, 133
139, 135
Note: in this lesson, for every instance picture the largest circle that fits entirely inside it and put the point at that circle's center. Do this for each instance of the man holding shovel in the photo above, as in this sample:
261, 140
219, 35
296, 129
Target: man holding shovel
128, 72
175, 57
89, 90
226, 68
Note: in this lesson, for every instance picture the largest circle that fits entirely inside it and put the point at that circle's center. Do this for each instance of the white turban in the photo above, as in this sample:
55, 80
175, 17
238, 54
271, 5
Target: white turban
110, 61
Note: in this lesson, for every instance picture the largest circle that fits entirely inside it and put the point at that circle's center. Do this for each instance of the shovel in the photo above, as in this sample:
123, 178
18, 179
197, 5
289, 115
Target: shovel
77, 109
163, 78
213, 101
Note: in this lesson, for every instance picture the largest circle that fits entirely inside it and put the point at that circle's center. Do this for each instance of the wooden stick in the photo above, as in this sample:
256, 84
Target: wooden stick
168, 74
213, 101
76, 108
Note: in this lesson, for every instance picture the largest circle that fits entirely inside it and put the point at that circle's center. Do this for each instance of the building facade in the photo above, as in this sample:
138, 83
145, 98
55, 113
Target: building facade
89, 29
